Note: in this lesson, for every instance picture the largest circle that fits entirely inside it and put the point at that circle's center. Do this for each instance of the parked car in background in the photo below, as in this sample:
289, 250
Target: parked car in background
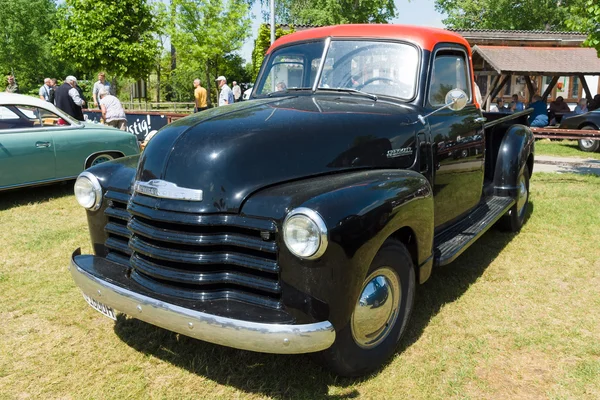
247, 94
587, 121
41, 144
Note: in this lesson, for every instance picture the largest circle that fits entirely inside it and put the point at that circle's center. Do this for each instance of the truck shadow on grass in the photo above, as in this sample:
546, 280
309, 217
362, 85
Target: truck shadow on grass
298, 376
37, 194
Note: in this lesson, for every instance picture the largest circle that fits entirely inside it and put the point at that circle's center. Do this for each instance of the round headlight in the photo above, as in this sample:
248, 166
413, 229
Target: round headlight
88, 191
305, 233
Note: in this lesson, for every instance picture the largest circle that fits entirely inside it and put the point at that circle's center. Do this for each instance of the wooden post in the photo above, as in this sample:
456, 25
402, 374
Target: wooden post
550, 87
588, 93
487, 97
529, 87
500, 87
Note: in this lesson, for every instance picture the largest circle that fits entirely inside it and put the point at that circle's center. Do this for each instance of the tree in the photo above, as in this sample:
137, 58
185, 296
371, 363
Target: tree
204, 31
585, 17
334, 12
505, 14
116, 36
25, 46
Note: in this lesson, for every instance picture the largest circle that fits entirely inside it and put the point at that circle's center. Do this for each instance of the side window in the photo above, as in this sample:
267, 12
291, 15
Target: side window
50, 119
286, 71
30, 114
450, 71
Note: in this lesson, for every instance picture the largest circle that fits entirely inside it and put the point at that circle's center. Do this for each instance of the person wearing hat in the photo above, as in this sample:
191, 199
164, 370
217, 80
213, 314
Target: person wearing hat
68, 99
226, 96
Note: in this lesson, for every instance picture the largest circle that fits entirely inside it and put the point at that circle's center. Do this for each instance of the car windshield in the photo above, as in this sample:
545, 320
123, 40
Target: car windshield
375, 67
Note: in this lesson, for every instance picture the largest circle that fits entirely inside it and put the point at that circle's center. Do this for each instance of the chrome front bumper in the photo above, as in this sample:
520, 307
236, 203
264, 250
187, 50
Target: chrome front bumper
260, 337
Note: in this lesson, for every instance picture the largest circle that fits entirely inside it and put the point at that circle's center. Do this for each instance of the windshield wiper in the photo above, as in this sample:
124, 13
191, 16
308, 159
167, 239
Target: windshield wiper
348, 90
284, 91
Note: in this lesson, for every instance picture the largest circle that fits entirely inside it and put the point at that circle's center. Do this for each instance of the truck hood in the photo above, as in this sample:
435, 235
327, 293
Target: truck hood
230, 152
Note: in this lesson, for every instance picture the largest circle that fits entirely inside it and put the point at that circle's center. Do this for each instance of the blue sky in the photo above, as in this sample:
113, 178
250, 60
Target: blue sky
415, 12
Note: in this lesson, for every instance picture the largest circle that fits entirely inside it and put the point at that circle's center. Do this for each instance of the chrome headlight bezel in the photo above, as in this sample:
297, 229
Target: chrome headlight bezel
96, 190
315, 218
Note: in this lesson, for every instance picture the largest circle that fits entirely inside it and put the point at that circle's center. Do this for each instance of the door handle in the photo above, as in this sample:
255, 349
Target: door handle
41, 145
480, 120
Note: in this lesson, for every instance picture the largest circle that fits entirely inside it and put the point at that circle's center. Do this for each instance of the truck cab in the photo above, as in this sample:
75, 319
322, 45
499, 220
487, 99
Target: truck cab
303, 220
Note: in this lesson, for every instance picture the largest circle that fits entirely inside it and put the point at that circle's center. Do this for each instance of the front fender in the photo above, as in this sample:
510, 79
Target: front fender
516, 150
361, 210
116, 176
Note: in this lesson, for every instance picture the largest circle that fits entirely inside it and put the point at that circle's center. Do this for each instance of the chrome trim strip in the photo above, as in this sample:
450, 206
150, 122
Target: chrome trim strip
321, 64
253, 336
167, 190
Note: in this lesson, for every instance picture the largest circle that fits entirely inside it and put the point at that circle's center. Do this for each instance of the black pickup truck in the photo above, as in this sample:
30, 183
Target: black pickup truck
302, 220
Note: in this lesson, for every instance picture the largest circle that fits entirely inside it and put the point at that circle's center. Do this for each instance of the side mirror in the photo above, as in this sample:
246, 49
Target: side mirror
455, 100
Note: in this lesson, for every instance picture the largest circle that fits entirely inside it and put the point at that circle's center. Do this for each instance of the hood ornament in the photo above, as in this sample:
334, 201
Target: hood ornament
167, 190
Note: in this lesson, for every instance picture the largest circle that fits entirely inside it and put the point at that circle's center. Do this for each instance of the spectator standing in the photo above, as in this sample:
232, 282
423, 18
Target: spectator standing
581, 107
46, 91
11, 86
101, 83
539, 116
199, 96
113, 113
67, 98
515, 104
226, 96
237, 92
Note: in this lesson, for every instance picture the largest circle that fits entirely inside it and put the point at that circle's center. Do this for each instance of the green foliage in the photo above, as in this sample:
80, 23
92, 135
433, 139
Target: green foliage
111, 35
585, 17
204, 31
262, 44
25, 46
333, 12
504, 14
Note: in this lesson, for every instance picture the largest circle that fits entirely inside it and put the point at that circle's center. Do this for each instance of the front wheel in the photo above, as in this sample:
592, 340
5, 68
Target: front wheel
515, 217
380, 315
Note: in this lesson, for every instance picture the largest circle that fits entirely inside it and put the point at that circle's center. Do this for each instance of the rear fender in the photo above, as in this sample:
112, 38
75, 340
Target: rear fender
516, 150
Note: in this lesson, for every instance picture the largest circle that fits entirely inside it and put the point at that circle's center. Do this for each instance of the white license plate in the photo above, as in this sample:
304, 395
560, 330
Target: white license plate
101, 308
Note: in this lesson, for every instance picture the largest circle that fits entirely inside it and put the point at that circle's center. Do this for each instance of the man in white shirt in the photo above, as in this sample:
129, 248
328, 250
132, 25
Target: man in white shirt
101, 83
226, 96
46, 90
237, 92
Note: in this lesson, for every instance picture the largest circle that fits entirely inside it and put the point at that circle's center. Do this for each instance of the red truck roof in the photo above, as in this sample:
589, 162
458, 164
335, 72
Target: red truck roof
425, 37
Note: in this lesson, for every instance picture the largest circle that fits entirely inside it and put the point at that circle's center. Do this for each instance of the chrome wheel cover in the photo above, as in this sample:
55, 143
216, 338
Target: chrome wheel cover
522, 195
587, 143
101, 159
377, 309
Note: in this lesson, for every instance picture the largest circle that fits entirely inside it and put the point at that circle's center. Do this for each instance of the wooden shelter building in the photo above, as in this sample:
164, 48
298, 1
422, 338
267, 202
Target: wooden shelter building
548, 63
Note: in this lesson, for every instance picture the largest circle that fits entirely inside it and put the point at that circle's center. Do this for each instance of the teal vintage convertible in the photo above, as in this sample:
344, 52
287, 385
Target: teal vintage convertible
41, 144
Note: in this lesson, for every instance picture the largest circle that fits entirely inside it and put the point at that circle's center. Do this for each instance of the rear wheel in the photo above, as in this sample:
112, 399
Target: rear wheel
380, 315
589, 145
515, 217
99, 159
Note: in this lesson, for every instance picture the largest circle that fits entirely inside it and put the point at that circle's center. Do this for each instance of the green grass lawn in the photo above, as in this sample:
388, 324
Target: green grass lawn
562, 148
514, 317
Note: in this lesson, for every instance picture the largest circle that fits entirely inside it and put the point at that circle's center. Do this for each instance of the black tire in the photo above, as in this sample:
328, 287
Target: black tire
346, 357
99, 158
586, 145
513, 220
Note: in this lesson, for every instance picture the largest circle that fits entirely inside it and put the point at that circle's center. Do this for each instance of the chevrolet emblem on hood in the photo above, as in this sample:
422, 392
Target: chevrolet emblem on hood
167, 190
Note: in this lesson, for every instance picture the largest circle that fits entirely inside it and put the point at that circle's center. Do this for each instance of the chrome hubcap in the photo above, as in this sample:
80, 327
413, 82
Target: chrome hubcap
522, 196
377, 309
587, 143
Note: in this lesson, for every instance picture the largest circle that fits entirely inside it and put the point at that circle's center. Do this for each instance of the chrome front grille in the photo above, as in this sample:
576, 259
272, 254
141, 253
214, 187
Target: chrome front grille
194, 256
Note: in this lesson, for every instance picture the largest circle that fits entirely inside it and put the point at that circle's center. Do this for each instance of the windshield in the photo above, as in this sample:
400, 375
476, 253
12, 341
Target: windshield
375, 67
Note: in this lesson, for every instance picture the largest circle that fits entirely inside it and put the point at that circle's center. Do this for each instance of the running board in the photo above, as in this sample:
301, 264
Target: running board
450, 243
